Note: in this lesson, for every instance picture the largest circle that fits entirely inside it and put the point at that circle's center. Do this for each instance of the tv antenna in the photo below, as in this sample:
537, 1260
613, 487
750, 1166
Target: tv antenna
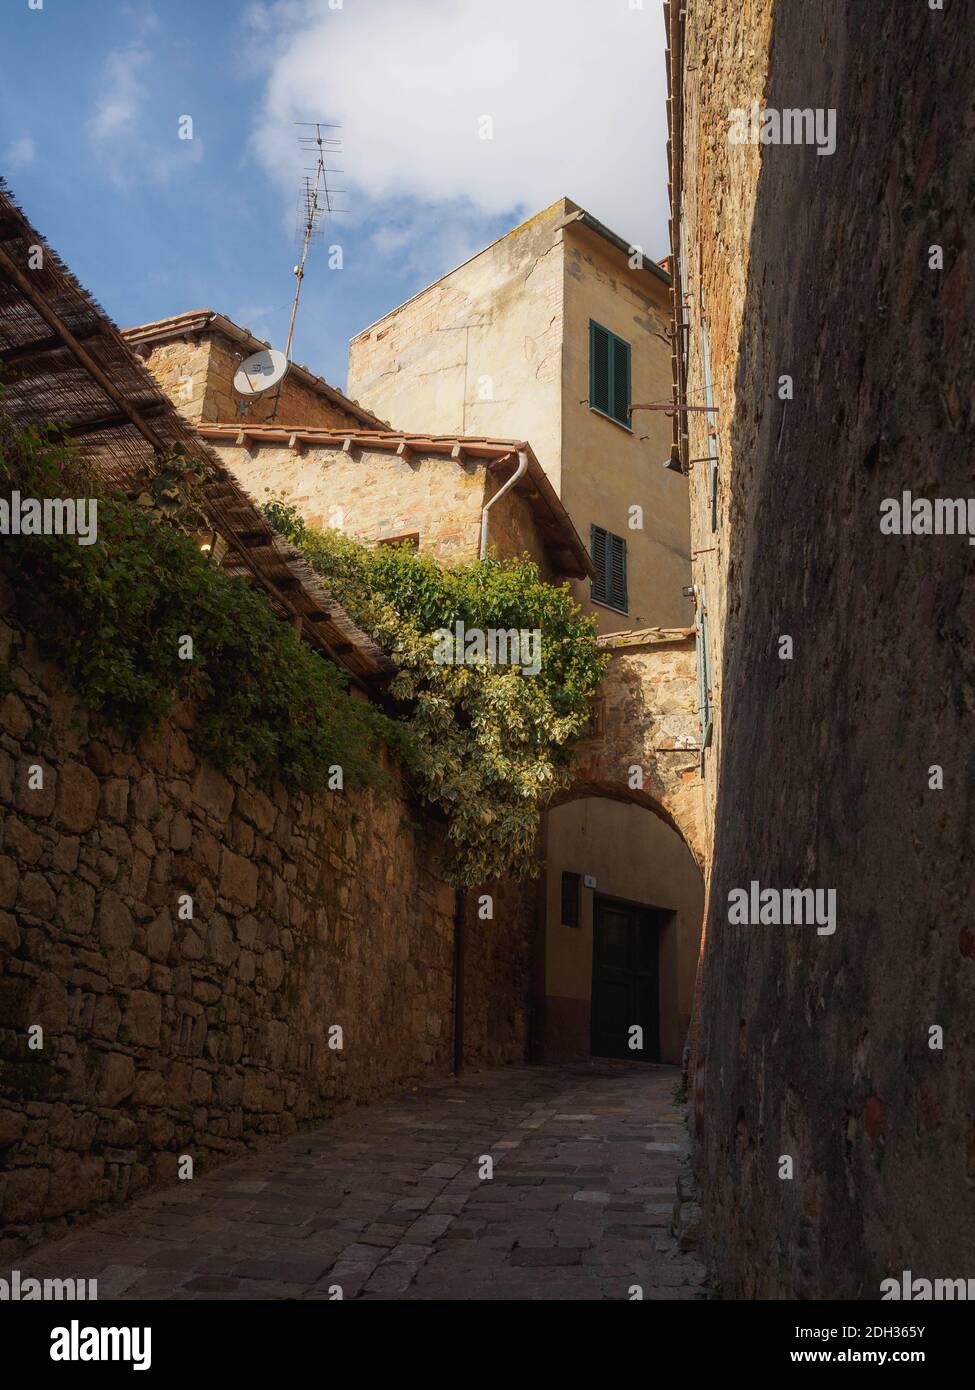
316, 201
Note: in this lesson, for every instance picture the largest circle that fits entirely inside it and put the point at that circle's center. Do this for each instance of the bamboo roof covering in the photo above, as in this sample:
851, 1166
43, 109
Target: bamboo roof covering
63, 360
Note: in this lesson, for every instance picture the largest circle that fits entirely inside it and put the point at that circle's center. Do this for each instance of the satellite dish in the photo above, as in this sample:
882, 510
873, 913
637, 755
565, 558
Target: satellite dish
260, 371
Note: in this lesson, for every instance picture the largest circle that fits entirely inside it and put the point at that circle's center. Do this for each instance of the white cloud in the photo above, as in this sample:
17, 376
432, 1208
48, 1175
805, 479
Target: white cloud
575, 89
133, 147
19, 153
121, 92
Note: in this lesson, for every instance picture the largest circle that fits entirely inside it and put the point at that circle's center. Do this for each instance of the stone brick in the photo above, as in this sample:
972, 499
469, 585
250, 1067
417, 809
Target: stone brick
35, 897
14, 716
212, 792
116, 927
180, 833
145, 798
36, 801
78, 793
9, 932
76, 906
116, 1079
142, 1019
160, 936
9, 881
115, 798
238, 878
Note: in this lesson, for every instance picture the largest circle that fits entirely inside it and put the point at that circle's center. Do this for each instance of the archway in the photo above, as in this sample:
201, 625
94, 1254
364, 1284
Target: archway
621, 912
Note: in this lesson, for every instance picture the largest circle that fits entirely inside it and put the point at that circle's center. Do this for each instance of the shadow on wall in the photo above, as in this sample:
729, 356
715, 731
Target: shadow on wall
816, 1046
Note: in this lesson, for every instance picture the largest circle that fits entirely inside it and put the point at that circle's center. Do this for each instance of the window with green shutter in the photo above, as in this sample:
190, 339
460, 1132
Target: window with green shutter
609, 374
609, 557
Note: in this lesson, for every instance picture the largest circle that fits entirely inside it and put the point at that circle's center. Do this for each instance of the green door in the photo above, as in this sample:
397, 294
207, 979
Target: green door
625, 979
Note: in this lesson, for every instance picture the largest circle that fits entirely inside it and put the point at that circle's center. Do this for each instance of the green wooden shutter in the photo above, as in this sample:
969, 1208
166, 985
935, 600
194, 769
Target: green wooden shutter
609, 557
597, 549
621, 381
599, 367
609, 373
616, 585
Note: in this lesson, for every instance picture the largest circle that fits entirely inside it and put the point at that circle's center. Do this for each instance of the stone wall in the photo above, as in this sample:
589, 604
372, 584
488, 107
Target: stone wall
373, 494
813, 1046
165, 1035
646, 719
197, 373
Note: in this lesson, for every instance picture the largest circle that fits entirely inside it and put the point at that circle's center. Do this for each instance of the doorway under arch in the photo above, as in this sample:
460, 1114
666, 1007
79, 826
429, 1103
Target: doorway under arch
618, 933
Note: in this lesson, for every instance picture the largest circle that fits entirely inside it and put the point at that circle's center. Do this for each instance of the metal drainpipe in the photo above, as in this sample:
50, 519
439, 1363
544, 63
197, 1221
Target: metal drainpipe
519, 472
458, 982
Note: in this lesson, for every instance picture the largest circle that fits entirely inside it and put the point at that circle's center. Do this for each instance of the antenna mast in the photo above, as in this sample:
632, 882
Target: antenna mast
316, 203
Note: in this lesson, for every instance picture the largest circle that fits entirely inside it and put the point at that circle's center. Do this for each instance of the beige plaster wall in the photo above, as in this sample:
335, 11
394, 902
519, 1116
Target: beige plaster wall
479, 352
633, 855
607, 468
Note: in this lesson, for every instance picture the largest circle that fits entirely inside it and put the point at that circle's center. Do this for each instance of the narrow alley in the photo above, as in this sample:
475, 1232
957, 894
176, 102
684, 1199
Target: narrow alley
387, 1202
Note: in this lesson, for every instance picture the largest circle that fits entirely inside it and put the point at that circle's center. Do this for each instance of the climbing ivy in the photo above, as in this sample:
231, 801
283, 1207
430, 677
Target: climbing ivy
116, 614
488, 744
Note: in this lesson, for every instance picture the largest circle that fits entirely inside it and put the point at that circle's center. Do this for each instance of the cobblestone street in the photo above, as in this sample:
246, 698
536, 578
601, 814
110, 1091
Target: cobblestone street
387, 1202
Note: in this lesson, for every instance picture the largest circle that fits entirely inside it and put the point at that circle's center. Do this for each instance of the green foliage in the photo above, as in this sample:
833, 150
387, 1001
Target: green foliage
115, 613
171, 492
489, 745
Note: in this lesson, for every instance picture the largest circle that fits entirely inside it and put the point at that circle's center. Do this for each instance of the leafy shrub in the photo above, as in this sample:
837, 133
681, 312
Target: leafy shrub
488, 744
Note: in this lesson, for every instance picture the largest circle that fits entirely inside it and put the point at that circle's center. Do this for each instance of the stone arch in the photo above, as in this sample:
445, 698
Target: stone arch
647, 717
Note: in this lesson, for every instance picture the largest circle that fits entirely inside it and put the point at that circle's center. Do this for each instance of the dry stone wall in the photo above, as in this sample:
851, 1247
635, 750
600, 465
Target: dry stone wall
166, 1034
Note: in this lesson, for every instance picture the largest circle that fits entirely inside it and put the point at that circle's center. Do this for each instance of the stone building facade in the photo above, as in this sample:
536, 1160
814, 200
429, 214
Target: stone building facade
432, 492
825, 313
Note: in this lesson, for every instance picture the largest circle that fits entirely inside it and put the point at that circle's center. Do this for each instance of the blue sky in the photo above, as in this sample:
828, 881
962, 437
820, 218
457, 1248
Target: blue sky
154, 225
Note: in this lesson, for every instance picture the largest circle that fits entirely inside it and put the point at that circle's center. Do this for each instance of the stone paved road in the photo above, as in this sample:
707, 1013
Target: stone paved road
386, 1202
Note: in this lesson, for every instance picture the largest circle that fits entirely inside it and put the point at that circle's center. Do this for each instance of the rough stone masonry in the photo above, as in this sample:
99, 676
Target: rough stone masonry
850, 766
166, 1035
